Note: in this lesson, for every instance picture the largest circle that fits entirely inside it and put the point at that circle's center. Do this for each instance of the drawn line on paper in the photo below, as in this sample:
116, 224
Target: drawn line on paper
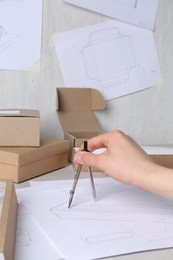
6, 39
29, 236
121, 60
26, 232
160, 232
157, 216
102, 238
117, 236
61, 210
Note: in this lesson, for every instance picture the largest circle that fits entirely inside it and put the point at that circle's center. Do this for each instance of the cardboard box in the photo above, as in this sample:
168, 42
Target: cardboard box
19, 127
23, 163
164, 160
8, 218
75, 108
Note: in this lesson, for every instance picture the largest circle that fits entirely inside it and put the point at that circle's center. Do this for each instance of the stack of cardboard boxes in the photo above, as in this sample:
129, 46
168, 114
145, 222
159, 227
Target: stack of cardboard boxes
23, 154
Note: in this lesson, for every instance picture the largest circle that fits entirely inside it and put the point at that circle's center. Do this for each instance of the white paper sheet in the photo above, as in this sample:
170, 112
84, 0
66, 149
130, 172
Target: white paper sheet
113, 57
164, 149
20, 33
51, 184
31, 240
122, 220
2, 193
138, 12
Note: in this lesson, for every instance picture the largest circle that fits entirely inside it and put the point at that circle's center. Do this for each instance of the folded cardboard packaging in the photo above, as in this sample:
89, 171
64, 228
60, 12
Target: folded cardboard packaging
75, 108
8, 219
19, 127
23, 163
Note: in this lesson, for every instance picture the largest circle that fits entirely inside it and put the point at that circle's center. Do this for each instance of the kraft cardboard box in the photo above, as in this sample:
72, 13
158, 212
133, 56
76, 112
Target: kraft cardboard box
75, 108
19, 127
8, 219
163, 159
23, 163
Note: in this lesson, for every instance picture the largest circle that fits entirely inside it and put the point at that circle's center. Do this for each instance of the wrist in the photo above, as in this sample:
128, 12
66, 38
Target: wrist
156, 179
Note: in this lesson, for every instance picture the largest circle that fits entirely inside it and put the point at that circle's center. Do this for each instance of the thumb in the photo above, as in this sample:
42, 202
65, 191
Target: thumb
86, 158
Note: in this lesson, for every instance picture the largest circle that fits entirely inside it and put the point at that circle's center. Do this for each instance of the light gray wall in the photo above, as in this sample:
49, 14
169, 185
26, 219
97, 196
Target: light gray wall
147, 115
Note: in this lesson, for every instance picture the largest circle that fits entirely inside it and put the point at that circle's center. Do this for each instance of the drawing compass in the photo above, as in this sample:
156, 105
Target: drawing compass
76, 178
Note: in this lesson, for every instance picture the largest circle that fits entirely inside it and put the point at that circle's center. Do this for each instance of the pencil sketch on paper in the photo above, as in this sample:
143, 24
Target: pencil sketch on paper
17, 28
109, 57
122, 220
27, 231
7, 39
2, 193
121, 57
145, 221
31, 241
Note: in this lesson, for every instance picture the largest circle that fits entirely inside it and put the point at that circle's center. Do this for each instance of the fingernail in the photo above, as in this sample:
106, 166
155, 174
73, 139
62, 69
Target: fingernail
79, 158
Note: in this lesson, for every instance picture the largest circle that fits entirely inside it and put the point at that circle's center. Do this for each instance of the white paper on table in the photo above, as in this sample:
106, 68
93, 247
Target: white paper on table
113, 57
57, 184
20, 33
138, 12
31, 240
122, 220
51, 184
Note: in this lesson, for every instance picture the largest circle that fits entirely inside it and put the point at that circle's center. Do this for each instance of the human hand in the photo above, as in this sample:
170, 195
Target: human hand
123, 159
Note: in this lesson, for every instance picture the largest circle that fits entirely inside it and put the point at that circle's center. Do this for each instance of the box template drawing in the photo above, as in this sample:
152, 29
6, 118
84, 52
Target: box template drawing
75, 108
19, 127
23, 163
8, 218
